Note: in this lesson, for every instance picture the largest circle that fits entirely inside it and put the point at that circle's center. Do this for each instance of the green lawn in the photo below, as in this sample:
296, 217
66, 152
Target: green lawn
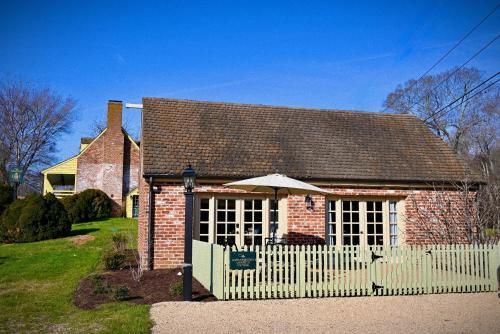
37, 282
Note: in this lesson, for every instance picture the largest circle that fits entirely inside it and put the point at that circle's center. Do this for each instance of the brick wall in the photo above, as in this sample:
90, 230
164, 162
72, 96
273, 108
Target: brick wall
304, 226
111, 163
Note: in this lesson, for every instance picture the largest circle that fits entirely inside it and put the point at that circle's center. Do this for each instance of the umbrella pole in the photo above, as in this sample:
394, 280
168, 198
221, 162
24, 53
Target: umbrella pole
275, 209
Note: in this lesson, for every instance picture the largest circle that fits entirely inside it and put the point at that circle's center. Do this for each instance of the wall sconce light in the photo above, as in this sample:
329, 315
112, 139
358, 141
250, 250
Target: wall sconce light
309, 202
156, 189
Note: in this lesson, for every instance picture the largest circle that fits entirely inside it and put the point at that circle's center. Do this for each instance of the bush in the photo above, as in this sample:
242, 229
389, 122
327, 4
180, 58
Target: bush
34, 218
120, 241
114, 260
176, 289
90, 204
6, 196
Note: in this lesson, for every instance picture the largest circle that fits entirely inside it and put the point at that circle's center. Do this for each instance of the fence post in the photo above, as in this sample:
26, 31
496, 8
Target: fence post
218, 271
494, 259
302, 272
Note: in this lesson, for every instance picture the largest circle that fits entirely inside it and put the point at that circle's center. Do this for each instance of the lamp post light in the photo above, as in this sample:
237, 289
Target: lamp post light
188, 177
16, 177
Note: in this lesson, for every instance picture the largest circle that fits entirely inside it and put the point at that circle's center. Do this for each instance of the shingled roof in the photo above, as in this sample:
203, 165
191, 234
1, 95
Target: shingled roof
228, 140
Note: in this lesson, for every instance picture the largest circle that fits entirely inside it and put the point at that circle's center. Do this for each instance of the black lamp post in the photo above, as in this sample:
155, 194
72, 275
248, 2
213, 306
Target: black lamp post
16, 178
188, 176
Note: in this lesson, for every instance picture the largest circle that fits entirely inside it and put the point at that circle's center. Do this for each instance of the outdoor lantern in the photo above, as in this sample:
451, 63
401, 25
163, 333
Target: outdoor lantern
188, 176
309, 202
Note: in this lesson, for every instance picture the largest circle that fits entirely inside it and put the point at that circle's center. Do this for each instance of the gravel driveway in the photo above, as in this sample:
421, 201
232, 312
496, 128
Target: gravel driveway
447, 313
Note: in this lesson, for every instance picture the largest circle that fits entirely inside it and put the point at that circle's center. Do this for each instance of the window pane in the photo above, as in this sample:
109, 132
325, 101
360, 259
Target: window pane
378, 206
221, 204
331, 217
204, 238
258, 229
369, 206
221, 229
331, 229
331, 205
393, 217
380, 240
394, 229
231, 204
271, 216
347, 228
257, 216
355, 228
231, 240
248, 240
392, 206
248, 228
220, 240
346, 217
379, 228
371, 240
370, 217
248, 204
371, 229
355, 206
346, 205
257, 240
347, 240
203, 228
355, 240
355, 217
379, 217
257, 204
231, 216
248, 216
221, 216
204, 203
204, 216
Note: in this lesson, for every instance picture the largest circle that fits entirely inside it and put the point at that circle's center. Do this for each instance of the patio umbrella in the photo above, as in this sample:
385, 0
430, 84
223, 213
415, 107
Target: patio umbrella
277, 184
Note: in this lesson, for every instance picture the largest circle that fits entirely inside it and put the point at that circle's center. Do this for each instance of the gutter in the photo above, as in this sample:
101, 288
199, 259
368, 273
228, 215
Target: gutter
150, 225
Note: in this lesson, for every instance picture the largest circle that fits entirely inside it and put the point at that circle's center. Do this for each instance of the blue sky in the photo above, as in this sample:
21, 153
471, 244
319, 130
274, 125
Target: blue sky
323, 54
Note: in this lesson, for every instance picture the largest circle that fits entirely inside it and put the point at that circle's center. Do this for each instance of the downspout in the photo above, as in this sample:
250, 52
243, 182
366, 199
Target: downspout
150, 225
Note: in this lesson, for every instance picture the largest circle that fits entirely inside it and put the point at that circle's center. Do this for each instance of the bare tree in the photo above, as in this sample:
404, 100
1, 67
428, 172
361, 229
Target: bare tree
471, 128
459, 213
31, 121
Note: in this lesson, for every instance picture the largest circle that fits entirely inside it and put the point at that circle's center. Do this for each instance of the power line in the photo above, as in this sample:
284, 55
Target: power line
455, 46
434, 114
456, 70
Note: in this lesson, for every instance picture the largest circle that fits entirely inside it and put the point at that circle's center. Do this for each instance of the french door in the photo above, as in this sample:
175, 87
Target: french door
362, 222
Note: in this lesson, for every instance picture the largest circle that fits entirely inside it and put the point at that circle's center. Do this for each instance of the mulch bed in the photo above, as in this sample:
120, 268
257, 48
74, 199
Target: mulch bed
155, 286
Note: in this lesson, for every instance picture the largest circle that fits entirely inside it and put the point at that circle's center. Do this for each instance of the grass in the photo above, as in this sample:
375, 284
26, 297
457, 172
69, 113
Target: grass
37, 282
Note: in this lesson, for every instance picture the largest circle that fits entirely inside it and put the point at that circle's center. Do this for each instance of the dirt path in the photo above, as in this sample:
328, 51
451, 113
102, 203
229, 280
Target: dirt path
450, 313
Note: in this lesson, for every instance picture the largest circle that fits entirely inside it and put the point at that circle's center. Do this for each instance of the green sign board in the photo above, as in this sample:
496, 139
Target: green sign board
242, 260
16, 175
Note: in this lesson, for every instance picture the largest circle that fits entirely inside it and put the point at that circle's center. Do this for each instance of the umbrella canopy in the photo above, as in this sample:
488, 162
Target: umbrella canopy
276, 183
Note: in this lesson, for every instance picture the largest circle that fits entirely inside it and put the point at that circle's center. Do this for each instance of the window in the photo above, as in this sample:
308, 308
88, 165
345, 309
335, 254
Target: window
234, 221
204, 219
332, 226
393, 223
226, 222
350, 222
360, 222
253, 222
374, 223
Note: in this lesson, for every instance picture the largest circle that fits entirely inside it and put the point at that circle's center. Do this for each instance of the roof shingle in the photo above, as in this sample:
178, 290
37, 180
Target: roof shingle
239, 140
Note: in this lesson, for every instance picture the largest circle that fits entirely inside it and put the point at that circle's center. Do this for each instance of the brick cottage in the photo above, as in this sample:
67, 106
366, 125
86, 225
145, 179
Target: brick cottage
381, 169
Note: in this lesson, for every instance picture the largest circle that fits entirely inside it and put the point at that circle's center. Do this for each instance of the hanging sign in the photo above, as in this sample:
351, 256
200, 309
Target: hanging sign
242, 260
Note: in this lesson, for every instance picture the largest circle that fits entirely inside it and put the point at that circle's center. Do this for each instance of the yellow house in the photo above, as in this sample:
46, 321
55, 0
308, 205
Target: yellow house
109, 162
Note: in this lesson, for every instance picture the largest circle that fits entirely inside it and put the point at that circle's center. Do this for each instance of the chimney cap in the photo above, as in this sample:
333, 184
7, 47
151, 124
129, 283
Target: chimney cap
115, 101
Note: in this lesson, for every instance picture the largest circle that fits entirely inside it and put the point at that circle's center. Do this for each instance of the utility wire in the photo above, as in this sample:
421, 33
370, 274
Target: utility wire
436, 113
455, 71
456, 45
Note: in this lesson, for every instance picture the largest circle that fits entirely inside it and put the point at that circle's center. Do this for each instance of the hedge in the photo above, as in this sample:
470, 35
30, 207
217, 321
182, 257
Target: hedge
88, 205
6, 196
34, 218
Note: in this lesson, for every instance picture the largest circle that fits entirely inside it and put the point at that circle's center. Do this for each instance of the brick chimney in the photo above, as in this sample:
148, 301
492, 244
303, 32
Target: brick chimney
115, 116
